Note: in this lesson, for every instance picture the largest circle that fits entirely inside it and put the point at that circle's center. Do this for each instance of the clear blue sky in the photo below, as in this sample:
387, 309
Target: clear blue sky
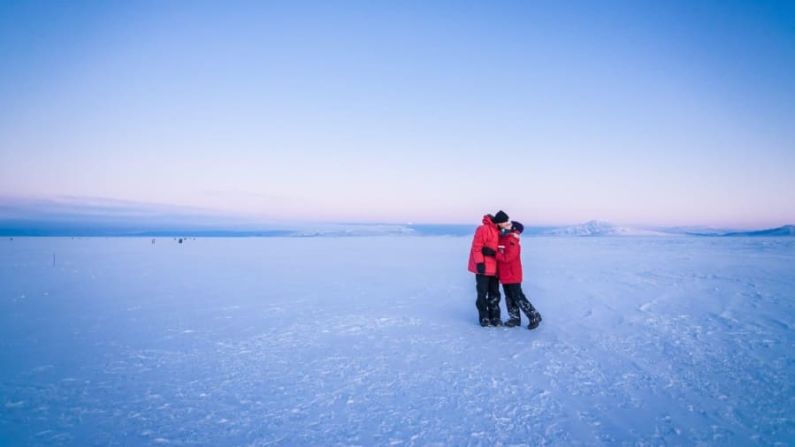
670, 113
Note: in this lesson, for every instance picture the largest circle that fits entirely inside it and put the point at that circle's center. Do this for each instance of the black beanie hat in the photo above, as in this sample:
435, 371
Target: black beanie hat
517, 226
500, 217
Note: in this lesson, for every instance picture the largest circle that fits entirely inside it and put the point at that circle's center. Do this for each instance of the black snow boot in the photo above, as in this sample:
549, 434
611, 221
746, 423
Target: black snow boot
496, 322
535, 320
513, 322
484, 322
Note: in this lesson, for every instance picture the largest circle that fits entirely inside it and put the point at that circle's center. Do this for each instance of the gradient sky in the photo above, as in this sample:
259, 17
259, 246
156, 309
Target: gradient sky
669, 113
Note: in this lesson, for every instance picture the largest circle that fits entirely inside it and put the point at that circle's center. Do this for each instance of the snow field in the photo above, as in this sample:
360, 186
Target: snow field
374, 341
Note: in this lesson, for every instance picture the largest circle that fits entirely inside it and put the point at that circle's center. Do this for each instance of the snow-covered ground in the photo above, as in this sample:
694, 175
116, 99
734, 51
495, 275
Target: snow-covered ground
374, 341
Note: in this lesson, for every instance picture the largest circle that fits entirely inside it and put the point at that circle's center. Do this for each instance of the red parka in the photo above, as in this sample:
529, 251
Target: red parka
487, 235
509, 259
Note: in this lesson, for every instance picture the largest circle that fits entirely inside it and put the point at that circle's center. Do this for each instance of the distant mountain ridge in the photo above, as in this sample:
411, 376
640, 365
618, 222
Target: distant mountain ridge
601, 228
786, 230
595, 228
88, 217
10, 228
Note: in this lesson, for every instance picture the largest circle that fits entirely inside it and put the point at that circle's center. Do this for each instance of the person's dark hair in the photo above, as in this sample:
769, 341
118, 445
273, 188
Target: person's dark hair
517, 226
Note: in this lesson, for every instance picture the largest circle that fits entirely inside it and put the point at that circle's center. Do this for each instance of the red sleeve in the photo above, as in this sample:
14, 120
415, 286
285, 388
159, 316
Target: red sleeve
477, 245
510, 253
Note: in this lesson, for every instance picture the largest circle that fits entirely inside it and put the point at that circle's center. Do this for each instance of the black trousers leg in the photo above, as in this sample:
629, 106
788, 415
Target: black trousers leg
520, 299
510, 302
494, 299
482, 302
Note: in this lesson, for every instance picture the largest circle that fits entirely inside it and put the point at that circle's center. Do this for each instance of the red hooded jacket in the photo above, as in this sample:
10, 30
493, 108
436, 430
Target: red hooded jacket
487, 235
509, 259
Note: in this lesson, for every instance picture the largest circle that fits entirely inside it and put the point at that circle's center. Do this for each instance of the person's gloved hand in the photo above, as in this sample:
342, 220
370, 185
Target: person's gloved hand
481, 267
488, 251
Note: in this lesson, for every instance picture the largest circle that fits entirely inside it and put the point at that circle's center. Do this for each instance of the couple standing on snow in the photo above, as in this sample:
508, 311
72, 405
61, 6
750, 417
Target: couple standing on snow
496, 258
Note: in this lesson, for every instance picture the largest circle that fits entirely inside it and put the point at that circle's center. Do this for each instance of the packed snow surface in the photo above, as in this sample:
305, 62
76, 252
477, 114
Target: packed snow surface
374, 341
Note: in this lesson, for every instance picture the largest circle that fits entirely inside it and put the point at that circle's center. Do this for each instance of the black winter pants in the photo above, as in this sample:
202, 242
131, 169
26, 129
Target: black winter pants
515, 300
488, 301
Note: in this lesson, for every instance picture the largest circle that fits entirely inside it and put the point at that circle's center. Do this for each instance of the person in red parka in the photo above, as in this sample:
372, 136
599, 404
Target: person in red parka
509, 268
483, 264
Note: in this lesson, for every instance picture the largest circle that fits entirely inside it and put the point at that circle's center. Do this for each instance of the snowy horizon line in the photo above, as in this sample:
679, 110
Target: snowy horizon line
69, 215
